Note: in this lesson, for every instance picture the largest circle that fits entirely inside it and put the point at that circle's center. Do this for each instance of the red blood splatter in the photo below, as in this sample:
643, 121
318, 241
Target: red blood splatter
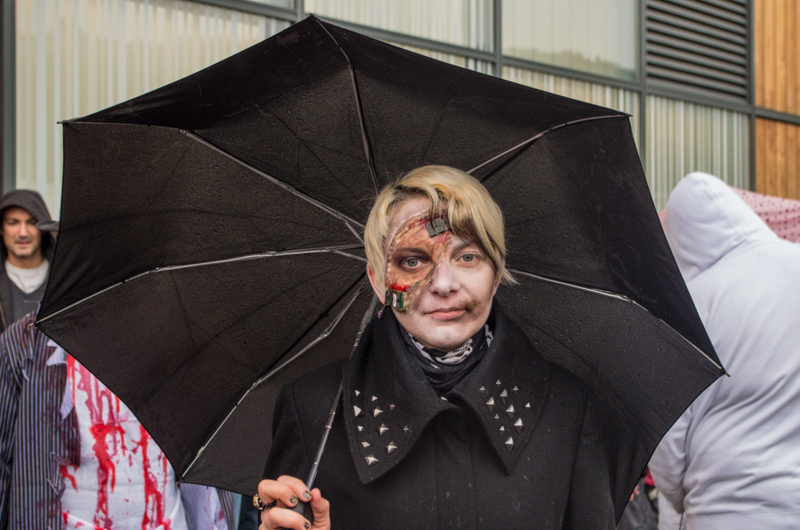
153, 497
67, 476
104, 422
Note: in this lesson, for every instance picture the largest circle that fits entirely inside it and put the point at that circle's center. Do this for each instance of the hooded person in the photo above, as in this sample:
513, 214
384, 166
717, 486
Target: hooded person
731, 461
26, 254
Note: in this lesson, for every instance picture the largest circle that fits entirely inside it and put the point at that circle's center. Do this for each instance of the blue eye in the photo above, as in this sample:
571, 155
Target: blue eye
469, 258
411, 263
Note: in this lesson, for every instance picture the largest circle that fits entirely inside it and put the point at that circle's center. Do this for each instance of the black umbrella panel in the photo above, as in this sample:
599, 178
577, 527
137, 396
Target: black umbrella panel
211, 231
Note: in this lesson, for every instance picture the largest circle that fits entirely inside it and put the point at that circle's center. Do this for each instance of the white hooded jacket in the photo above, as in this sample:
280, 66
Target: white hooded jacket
732, 461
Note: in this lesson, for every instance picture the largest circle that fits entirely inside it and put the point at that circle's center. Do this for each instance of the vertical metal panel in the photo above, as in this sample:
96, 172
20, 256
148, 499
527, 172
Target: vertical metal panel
598, 94
684, 137
483, 67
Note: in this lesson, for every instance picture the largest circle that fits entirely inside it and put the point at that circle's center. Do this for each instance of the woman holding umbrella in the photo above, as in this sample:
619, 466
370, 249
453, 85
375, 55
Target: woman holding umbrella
451, 418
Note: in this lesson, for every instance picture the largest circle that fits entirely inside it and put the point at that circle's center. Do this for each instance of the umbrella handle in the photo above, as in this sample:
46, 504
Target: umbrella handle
304, 509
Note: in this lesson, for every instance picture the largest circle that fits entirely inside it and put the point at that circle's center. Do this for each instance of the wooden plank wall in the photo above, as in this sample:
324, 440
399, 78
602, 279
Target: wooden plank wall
777, 158
776, 39
777, 54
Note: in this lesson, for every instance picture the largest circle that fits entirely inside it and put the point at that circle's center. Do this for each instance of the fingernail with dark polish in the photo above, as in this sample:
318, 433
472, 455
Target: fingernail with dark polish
306, 525
307, 495
292, 500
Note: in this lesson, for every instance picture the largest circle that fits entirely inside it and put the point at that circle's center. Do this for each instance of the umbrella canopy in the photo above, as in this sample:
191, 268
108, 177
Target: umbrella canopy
211, 231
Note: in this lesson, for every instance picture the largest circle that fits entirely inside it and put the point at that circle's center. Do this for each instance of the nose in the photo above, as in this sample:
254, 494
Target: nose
445, 279
24, 229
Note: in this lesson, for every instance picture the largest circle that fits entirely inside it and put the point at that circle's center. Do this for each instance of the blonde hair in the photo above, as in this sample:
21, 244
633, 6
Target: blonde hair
471, 212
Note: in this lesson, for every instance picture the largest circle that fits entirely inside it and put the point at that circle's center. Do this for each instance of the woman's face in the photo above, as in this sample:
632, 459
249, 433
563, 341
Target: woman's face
440, 287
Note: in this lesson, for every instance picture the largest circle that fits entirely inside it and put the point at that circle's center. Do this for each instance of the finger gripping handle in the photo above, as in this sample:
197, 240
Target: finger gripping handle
304, 509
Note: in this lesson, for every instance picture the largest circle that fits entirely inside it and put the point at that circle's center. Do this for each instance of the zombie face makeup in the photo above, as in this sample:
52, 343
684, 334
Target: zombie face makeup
440, 287
419, 244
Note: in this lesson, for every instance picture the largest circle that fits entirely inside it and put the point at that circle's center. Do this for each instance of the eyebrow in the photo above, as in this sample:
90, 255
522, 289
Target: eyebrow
461, 245
410, 249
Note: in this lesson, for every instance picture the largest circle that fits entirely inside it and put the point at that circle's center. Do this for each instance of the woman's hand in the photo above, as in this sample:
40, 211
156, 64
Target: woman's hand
288, 492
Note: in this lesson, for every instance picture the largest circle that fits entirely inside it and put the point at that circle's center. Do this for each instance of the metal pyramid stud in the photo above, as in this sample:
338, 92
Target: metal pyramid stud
504, 396
371, 460
444, 398
510, 412
483, 390
406, 429
490, 404
502, 429
497, 416
498, 383
518, 425
383, 429
358, 411
391, 406
515, 389
358, 393
374, 398
391, 448
360, 428
377, 412
528, 405
364, 444
510, 443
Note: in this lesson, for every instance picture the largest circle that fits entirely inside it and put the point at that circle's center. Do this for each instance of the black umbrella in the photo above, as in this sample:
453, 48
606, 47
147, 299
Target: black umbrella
211, 231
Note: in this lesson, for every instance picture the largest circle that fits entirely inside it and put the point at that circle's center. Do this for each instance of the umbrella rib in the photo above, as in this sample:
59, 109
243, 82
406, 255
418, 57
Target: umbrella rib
618, 297
361, 121
339, 250
322, 336
274, 180
539, 135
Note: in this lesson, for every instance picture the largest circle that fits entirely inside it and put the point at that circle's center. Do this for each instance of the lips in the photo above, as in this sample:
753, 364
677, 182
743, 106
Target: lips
447, 313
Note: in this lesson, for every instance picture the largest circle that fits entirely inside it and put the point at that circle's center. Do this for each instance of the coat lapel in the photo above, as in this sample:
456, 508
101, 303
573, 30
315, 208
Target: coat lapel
388, 402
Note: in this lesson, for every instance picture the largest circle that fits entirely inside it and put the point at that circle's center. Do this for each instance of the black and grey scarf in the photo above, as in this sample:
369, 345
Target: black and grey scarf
445, 370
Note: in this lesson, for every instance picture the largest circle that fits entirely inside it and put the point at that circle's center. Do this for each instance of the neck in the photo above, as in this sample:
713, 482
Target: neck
30, 262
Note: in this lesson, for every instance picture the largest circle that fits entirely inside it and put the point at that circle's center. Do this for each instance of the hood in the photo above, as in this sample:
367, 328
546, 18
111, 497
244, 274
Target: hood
32, 202
705, 220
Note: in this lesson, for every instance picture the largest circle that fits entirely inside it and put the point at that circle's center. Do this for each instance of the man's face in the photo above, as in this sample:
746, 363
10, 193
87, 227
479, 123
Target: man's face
22, 239
440, 287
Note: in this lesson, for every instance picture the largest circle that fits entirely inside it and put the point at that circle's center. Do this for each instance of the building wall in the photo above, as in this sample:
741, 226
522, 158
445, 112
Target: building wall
777, 158
777, 88
75, 57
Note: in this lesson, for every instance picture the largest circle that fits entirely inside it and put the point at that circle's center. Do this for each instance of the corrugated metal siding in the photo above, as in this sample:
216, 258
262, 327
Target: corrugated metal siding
598, 94
483, 67
683, 137
698, 45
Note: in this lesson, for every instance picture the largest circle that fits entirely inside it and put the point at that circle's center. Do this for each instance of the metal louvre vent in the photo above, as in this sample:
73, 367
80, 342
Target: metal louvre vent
699, 45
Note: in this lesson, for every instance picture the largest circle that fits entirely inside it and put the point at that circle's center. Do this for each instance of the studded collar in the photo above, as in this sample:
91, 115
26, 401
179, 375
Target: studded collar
388, 402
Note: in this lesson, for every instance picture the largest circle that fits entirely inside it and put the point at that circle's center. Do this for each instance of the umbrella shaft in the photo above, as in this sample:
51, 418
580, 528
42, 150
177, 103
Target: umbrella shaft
324, 440
332, 415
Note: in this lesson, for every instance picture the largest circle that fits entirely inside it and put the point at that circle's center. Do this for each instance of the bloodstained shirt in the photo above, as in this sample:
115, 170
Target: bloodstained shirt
124, 480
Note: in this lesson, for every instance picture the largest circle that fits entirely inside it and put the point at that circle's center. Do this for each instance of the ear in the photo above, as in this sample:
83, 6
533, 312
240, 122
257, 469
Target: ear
380, 291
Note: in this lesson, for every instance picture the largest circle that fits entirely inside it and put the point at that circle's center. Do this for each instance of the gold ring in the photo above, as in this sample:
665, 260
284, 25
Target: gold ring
258, 503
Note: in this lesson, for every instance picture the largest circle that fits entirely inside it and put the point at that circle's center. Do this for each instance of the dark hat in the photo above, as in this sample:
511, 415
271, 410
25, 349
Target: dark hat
28, 200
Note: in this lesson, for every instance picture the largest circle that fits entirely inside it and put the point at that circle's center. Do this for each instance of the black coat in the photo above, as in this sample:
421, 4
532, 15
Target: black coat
516, 444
